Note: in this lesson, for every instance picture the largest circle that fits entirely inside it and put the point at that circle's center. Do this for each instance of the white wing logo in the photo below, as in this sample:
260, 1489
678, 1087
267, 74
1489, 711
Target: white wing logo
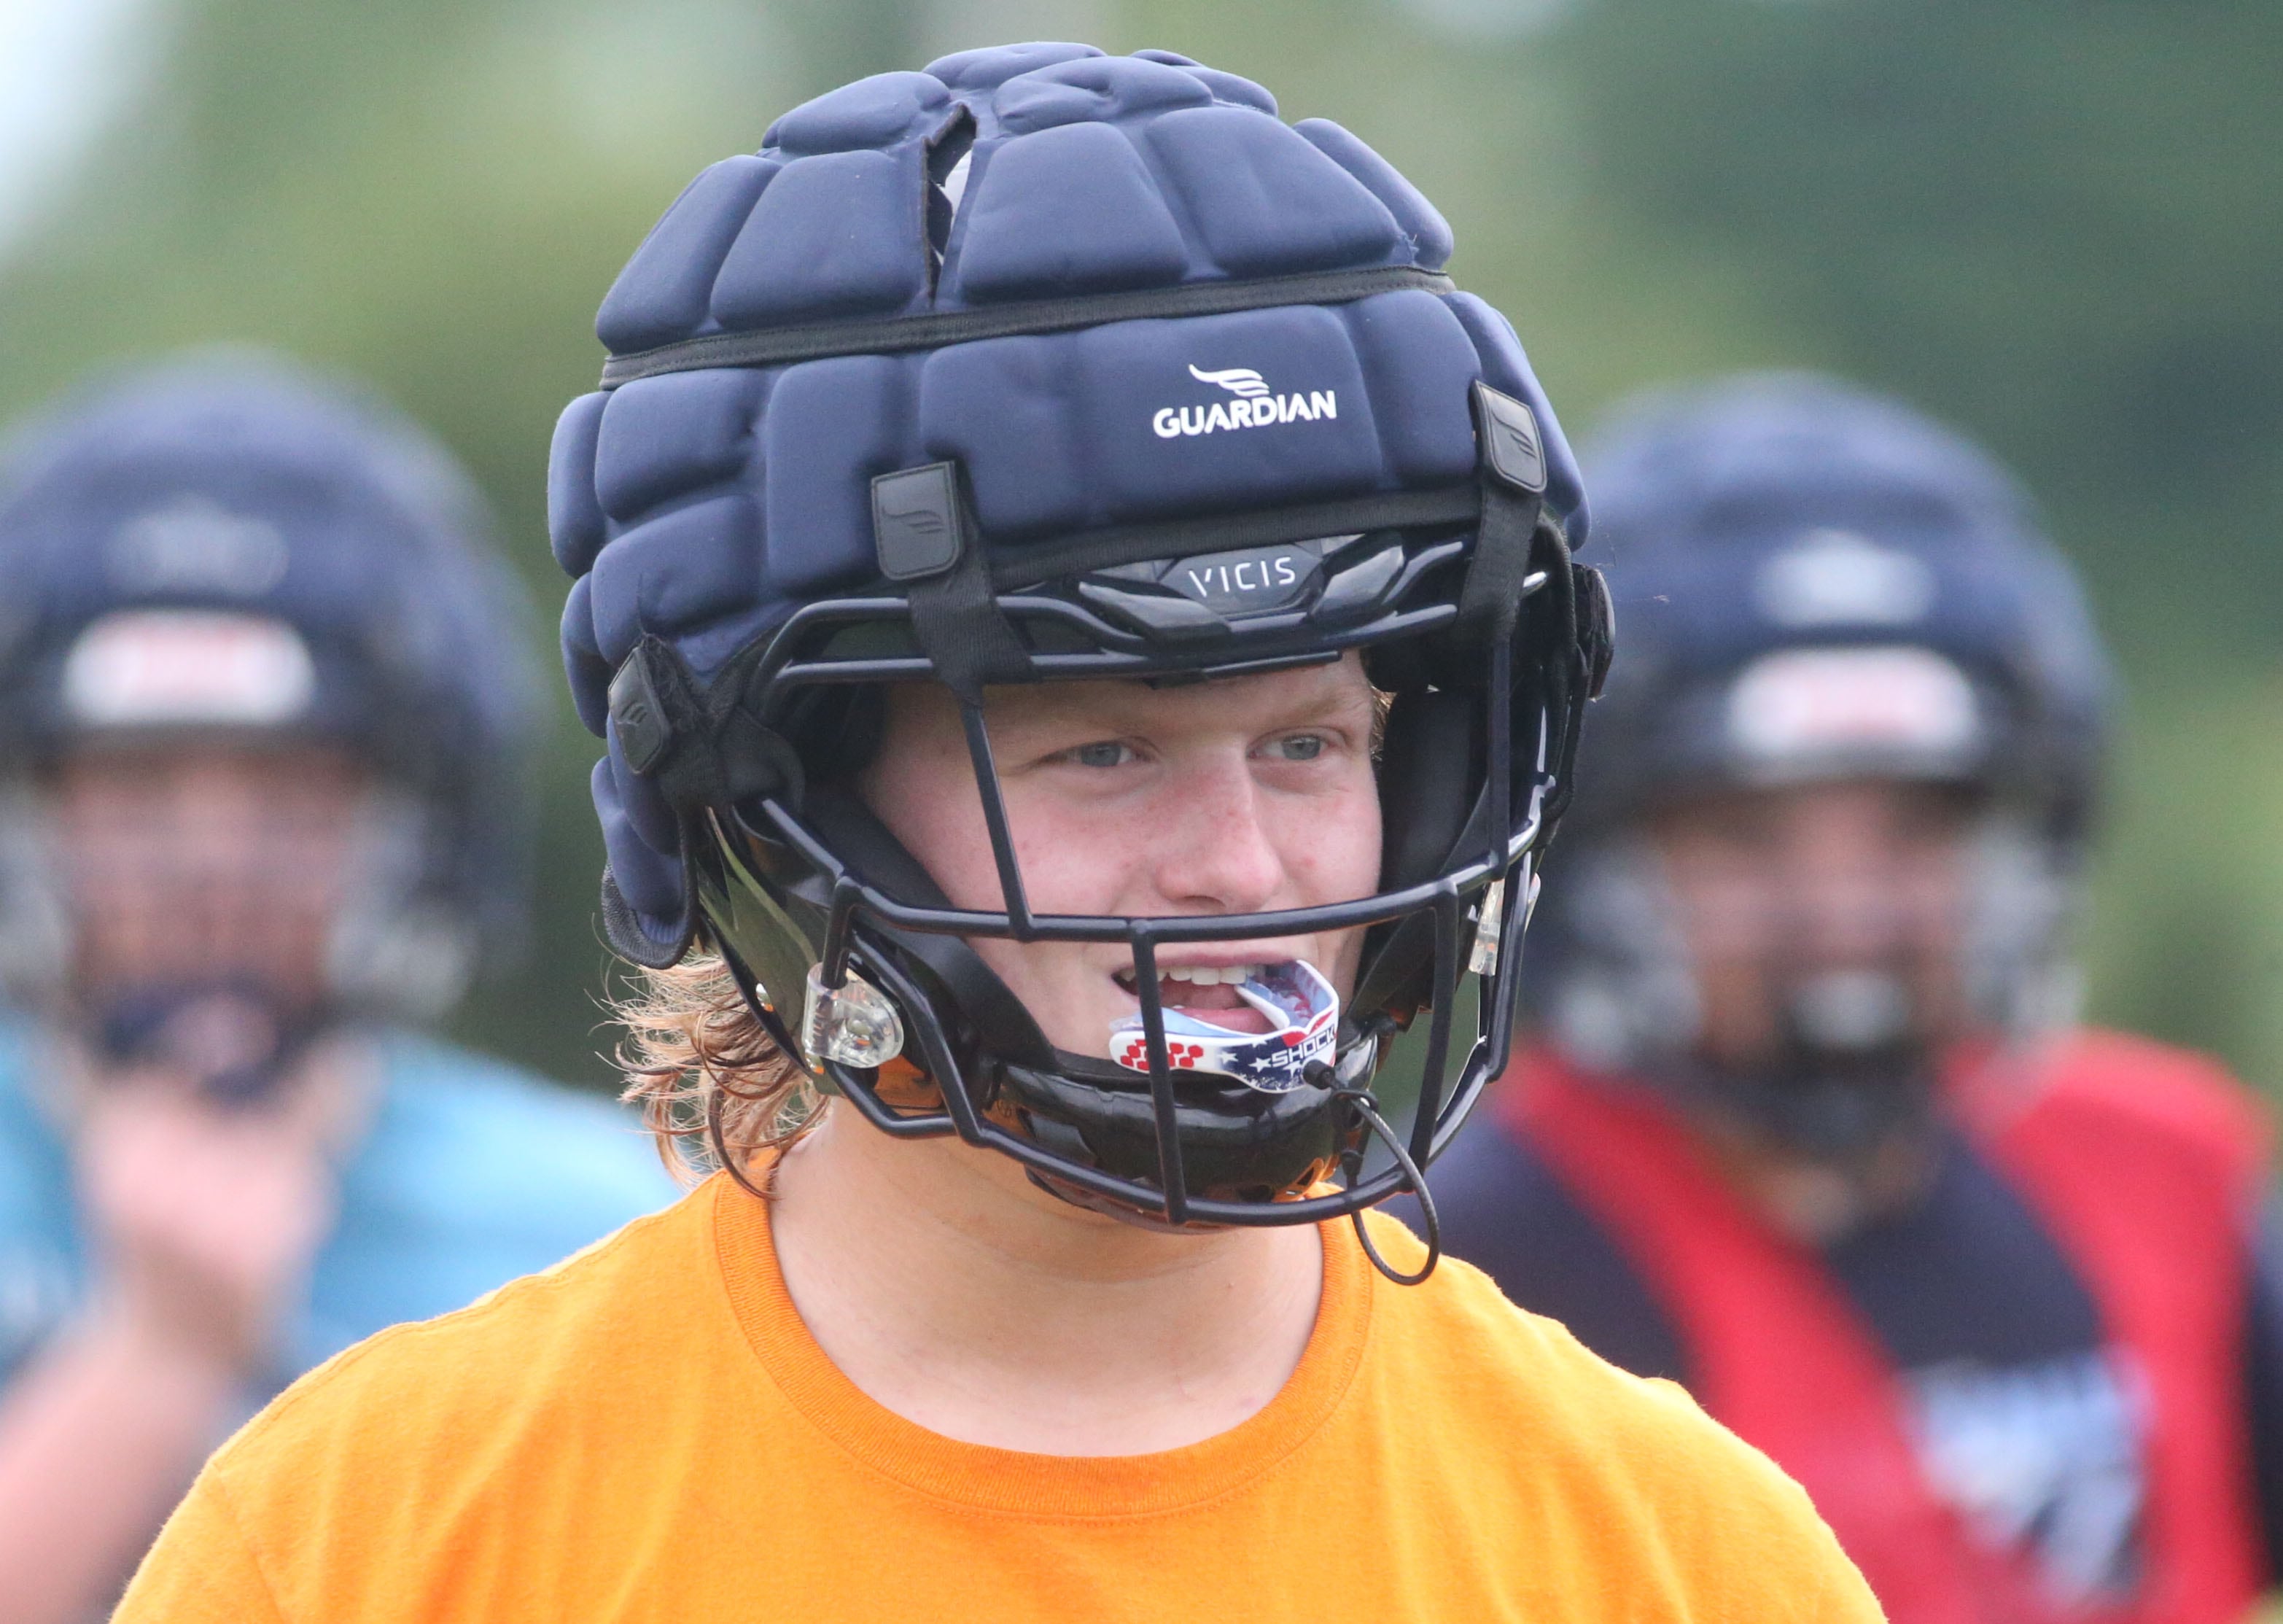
1238, 380
1256, 406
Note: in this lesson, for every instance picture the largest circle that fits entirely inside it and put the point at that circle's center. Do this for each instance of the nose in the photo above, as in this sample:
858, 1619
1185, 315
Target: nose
1210, 846
1847, 918
1852, 894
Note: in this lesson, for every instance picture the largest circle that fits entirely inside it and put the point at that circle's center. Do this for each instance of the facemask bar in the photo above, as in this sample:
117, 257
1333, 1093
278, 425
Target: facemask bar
36, 917
1631, 998
1436, 1117
391, 949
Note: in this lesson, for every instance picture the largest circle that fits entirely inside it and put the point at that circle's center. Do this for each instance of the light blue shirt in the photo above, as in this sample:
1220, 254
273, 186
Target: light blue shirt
470, 1173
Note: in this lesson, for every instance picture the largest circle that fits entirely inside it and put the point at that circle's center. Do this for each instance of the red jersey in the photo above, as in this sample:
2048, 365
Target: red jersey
2100, 1472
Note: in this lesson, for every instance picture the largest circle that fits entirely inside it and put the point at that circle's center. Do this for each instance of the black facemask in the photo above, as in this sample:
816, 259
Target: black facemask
1853, 1068
231, 1037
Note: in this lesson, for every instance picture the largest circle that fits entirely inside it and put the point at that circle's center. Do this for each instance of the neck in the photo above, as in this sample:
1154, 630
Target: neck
1820, 1203
940, 1281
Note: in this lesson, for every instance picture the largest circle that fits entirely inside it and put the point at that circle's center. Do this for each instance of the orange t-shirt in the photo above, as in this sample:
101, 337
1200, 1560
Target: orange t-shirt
648, 1432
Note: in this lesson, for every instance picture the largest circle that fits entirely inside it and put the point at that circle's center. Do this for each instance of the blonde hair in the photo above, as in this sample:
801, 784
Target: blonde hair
715, 1089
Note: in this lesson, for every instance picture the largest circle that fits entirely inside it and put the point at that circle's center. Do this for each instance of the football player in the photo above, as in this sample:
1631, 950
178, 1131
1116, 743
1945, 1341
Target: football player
1081, 612
1810, 1126
264, 746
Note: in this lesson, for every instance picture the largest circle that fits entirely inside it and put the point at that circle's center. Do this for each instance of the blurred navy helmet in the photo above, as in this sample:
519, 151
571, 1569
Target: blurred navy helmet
1817, 582
1043, 364
228, 546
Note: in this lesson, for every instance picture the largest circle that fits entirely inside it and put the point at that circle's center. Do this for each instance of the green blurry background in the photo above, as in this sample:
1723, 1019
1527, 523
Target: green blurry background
2055, 223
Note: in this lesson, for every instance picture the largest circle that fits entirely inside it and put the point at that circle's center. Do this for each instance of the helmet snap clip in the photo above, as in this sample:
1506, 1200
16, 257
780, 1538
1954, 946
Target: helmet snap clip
853, 1023
1482, 958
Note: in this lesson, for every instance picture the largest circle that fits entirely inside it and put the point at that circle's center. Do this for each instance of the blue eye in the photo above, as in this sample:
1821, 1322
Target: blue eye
1301, 747
1104, 752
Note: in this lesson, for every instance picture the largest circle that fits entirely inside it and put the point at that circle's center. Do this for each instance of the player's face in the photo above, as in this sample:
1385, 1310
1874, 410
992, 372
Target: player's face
1240, 796
1851, 892
207, 863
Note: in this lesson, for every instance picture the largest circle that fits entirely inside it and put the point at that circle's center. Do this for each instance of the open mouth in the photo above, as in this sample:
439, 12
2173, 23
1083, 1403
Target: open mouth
1211, 993
1262, 1024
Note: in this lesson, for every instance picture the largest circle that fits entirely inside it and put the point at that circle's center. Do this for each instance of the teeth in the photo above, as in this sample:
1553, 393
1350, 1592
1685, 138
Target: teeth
1207, 975
1201, 975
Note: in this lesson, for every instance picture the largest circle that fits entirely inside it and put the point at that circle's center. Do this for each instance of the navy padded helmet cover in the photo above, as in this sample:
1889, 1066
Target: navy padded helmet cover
1699, 488
700, 506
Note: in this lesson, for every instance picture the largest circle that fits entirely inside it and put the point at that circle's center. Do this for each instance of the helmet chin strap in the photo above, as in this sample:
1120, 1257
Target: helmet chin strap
1302, 1008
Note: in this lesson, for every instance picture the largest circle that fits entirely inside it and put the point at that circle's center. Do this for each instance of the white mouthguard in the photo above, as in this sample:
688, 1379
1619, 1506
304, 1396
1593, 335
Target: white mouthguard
1303, 1005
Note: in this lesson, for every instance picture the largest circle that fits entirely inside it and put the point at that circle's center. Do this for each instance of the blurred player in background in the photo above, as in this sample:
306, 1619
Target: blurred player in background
1081, 612
1809, 1126
265, 727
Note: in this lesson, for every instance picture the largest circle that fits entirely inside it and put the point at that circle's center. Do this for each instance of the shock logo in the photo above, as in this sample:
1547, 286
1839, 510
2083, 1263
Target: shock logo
1256, 406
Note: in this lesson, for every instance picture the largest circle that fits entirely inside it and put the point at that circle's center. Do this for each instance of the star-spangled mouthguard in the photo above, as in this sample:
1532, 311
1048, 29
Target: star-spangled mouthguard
1302, 1003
